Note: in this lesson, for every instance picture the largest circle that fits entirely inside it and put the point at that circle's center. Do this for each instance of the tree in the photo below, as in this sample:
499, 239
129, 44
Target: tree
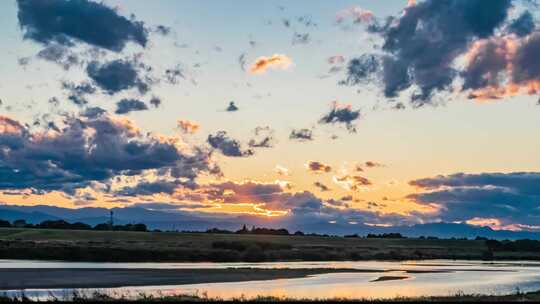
19, 223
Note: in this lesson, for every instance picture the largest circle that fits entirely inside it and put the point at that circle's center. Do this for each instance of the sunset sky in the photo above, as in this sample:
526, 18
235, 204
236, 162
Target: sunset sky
374, 112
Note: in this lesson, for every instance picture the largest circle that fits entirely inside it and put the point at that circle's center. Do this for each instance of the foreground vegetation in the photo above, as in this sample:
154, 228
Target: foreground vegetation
103, 297
131, 246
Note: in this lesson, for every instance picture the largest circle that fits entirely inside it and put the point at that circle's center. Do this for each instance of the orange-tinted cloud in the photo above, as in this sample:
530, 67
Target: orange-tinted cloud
188, 126
276, 61
358, 15
502, 67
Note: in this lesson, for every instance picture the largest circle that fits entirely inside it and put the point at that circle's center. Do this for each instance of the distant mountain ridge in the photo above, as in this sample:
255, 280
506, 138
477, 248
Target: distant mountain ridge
177, 220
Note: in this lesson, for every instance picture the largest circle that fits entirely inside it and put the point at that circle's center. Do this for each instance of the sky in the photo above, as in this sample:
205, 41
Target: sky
374, 112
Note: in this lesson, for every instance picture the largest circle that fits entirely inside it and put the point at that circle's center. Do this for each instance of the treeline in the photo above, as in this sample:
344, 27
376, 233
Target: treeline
258, 231
514, 246
61, 224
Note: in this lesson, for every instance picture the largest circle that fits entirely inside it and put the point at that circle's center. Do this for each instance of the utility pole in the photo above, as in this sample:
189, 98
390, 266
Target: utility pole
111, 223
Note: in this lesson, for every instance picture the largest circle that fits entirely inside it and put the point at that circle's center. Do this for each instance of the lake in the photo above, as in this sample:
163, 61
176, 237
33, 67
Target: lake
407, 278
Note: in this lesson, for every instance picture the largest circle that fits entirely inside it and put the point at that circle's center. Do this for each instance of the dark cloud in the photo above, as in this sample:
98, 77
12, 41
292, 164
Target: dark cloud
421, 45
77, 92
150, 188
78, 100
60, 55
301, 135
173, 75
525, 182
232, 107
117, 75
347, 198
163, 30
24, 61
66, 22
228, 146
352, 182
242, 61
299, 38
321, 186
373, 164
523, 25
511, 198
84, 88
526, 67
125, 106
342, 114
167, 206
88, 149
155, 101
264, 138
361, 70
318, 167
93, 112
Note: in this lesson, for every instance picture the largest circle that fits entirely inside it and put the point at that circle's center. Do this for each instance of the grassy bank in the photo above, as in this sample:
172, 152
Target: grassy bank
123, 246
101, 297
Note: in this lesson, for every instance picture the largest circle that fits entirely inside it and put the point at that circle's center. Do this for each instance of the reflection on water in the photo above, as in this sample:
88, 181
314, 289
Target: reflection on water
427, 278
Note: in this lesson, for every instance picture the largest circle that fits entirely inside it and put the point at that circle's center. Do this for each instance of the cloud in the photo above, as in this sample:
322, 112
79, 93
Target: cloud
321, 186
275, 61
298, 208
117, 75
282, 171
187, 126
299, 38
60, 55
373, 164
174, 74
362, 69
352, 182
318, 167
301, 135
93, 112
242, 61
264, 138
162, 30
232, 107
357, 15
161, 186
522, 26
78, 92
66, 22
502, 67
87, 149
336, 59
126, 106
228, 146
511, 198
342, 114
422, 44
155, 101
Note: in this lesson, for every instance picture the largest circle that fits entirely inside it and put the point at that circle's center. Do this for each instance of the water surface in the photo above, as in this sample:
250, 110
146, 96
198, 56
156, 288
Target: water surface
409, 279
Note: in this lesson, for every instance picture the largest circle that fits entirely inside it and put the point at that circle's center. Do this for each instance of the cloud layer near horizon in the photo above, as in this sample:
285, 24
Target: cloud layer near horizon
511, 198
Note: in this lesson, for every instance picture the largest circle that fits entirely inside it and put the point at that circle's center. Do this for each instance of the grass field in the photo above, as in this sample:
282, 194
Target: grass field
76, 297
82, 245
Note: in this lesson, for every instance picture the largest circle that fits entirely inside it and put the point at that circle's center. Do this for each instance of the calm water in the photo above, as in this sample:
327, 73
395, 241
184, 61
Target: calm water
424, 278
